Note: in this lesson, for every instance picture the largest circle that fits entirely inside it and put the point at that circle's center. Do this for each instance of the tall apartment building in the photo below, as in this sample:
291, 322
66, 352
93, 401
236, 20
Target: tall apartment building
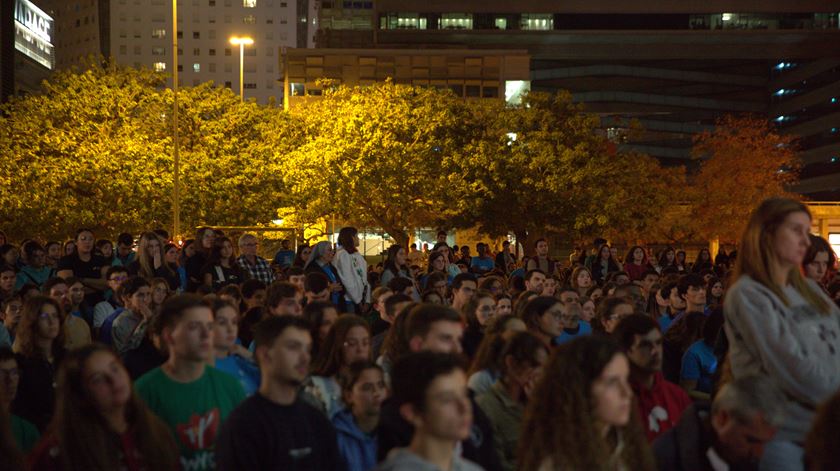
139, 33
671, 65
27, 53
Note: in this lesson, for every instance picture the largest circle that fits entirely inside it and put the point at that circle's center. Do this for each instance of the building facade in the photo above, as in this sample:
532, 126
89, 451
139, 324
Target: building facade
27, 52
671, 66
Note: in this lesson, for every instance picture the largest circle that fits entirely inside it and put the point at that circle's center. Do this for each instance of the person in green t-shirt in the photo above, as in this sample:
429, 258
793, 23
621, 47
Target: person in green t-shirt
192, 398
24, 433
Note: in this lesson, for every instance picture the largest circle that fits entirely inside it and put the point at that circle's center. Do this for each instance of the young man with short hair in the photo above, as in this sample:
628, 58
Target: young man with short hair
691, 289
482, 263
253, 293
439, 329
192, 398
253, 266
8, 276
430, 391
115, 276
649, 278
660, 402
534, 281
274, 428
316, 288
394, 304
505, 259
463, 289
281, 298
296, 276
540, 260
124, 254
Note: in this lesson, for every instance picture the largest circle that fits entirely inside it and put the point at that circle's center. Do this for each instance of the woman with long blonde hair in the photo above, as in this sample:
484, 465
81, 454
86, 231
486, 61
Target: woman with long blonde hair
782, 325
581, 415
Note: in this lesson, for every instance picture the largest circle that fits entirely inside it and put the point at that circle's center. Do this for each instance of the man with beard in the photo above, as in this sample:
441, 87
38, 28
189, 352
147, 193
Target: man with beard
660, 402
274, 428
729, 434
76, 331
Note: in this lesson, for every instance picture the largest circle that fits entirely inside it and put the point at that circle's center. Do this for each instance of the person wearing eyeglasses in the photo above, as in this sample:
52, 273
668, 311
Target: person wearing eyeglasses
39, 346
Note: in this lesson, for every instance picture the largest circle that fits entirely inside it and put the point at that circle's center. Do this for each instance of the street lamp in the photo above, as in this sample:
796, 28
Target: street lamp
241, 42
176, 194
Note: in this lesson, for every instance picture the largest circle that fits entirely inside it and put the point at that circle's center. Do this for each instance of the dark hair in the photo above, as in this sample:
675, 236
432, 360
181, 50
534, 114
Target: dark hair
173, 309
413, 373
315, 282
354, 371
250, 288
345, 238
690, 280
530, 273
130, 286
81, 231
114, 269
523, 348
631, 326
277, 291
391, 260
392, 301
222, 303
628, 258
396, 342
536, 308
712, 326
432, 257
30, 247
294, 271
314, 313
537, 242
818, 244
125, 239
215, 257
435, 277
28, 325
7, 354
421, 318
298, 261
471, 306
331, 357
399, 284
459, 280
822, 442
559, 422
49, 284
267, 331
685, 331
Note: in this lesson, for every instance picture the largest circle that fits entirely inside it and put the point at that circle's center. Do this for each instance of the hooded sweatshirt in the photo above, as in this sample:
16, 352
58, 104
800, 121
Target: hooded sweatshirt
403, 459
357, 448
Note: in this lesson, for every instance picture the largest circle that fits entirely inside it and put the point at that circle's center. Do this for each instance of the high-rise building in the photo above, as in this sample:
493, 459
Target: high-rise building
27, 54
671, 66
139, 33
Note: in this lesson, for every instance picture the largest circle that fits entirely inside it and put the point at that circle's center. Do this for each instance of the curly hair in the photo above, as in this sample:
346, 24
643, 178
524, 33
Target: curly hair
27, 329
559, 425
331, 357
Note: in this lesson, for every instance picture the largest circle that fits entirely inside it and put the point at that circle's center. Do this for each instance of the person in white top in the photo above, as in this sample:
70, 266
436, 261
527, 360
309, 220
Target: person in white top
352, 270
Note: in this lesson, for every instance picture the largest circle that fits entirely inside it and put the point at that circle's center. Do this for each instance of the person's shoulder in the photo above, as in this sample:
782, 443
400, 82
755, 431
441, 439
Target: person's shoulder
223, 379
149, 381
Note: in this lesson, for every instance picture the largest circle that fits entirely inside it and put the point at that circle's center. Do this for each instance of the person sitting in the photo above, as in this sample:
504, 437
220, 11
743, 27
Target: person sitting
363, 390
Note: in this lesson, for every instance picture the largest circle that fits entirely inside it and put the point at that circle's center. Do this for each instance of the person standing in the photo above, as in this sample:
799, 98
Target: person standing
252, 265
352, 270
781, 325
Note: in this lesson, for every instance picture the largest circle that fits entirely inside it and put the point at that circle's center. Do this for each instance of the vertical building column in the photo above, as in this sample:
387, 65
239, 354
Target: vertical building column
823, 224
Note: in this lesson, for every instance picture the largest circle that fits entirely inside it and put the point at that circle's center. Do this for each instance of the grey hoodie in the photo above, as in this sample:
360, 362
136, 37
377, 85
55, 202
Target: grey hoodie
795, 345
402, 459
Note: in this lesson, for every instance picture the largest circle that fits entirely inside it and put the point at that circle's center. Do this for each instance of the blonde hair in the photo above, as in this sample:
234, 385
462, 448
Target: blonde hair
756, 251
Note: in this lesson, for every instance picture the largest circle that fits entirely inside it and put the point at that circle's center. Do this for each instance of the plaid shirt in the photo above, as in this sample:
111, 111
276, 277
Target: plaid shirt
259, 271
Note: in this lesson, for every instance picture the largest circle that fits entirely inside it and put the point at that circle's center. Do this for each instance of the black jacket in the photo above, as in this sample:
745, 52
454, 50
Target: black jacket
683, 447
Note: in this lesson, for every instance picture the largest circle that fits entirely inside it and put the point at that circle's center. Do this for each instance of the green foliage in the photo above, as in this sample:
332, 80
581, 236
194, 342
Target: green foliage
96, 150
373, 156
557, 174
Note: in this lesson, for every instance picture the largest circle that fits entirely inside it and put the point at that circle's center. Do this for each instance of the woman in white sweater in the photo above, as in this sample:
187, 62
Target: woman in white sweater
781, 325
352, 270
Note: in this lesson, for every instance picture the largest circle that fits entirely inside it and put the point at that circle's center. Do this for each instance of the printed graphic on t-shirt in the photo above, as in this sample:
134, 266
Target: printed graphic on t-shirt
657, 414
199, 435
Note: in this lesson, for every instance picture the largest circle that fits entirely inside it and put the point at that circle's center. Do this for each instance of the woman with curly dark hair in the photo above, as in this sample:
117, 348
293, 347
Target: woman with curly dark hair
581, 415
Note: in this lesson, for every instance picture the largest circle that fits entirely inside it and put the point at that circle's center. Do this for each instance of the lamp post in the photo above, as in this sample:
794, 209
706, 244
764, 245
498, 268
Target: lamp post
176, 194
241, 42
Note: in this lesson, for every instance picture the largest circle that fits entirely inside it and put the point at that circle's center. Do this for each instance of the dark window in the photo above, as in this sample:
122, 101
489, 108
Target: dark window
473, 91
490, 92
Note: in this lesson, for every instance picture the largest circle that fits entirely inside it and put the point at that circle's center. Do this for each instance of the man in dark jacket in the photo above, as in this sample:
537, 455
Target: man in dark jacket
729, 434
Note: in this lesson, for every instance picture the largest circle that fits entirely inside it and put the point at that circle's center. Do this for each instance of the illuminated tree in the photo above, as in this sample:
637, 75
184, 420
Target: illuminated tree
745, 161
542, 167
373, 156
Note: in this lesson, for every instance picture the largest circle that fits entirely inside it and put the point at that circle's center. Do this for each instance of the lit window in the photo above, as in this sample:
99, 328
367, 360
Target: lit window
158, 33
159, 66
514, 89
249, 3
158, 51
537, 21
501, 23
196, 67
249, 20
455, 21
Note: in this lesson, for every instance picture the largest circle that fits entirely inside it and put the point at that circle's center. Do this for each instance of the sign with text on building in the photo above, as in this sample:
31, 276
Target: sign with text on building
33, 33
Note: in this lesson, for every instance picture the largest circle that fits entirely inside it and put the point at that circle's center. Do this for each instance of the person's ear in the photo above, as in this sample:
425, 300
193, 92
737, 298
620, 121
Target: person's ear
720, 420
416, 343
410, 414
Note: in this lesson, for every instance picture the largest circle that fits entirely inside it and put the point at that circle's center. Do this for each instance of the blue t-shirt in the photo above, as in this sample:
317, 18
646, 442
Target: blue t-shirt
665, 321
699, 363
243, 370
583, 330
483, 264
707, 311
284, 258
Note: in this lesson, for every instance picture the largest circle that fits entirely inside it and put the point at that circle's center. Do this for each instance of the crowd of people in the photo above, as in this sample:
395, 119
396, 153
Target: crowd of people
144, 354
